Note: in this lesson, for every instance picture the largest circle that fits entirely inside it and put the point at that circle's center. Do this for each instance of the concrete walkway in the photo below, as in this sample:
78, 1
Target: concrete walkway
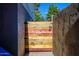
41, 54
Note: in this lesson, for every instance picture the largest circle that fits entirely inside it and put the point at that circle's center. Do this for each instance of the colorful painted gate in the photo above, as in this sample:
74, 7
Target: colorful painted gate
40, 36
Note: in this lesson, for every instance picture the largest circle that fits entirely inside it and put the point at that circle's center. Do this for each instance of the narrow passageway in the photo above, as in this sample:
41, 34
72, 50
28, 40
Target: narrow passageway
26, 32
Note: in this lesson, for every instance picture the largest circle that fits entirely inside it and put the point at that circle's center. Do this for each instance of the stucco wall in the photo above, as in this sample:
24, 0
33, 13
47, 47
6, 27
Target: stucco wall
66, 31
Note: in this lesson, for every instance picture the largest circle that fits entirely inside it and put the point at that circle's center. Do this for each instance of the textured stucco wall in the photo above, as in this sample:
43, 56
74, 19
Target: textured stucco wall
65, 26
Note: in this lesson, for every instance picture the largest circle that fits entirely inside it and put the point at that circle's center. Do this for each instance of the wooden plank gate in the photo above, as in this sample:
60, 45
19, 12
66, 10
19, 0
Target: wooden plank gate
39, 36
